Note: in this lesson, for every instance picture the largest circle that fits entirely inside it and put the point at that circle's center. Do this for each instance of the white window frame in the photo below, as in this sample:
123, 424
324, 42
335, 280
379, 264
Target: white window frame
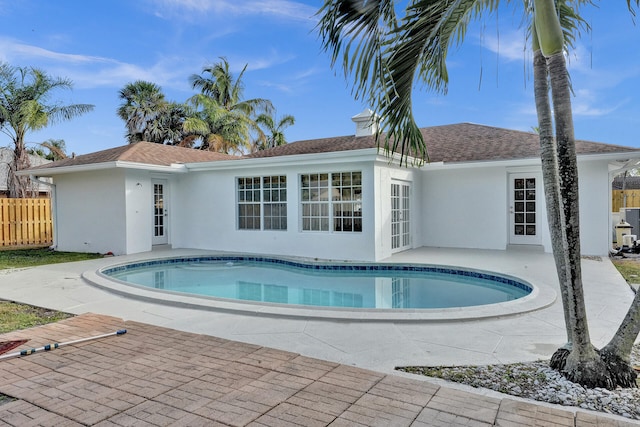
260, 197
324, 201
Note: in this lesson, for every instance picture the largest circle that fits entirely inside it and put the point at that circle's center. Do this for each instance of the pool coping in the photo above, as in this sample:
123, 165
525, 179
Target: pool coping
539, 298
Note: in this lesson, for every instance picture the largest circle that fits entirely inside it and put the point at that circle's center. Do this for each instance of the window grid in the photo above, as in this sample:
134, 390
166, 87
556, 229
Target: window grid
315, 202
275, 202
249, 203
158, 215
345, 203
262, 203
525, 207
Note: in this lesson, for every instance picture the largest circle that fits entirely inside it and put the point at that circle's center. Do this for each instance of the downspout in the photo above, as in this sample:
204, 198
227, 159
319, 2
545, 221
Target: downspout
54, 207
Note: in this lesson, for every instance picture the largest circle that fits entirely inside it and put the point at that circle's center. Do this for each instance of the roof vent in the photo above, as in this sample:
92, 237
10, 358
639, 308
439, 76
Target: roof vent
365, 124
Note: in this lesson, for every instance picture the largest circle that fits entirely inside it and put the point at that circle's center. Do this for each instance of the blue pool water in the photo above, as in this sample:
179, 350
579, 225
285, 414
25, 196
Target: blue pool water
271, 280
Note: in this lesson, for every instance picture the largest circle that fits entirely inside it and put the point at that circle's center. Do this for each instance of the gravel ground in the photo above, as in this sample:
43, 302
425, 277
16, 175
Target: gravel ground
539, 382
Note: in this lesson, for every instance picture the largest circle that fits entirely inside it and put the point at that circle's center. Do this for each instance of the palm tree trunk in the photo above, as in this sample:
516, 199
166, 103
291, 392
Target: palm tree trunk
551, 182
583, 364
617, 353
18, 186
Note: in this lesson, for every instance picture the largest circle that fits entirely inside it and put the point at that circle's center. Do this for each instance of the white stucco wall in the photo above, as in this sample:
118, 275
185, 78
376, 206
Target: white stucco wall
465, 208
139, 213
91, 211
469, 208
205, 215
451, 206
595, 206
107, 211
385, 175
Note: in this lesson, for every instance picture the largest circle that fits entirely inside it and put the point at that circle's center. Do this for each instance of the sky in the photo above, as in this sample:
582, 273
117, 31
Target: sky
101, 45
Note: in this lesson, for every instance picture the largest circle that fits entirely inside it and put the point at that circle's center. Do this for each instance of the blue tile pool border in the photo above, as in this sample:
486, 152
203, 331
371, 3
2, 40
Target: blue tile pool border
424, 268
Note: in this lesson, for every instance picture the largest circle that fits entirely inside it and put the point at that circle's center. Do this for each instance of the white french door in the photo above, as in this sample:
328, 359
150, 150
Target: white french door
160, 213
524, 218
400, 216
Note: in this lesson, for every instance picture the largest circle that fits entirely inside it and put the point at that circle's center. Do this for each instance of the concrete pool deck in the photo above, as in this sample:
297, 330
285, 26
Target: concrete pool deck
340, 347
379, 345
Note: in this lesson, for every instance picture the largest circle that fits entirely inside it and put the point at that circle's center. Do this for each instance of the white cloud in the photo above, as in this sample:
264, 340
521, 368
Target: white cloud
588, 103
192, 10
265, 62
88, 71
288, 87
510, 46
13, 49
296, 83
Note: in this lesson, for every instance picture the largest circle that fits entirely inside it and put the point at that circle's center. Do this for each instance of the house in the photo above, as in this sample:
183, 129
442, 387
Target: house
330, 198
6, 158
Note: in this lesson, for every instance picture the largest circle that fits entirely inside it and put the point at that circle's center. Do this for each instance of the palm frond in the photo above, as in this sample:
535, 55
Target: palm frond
354, 30
417, 49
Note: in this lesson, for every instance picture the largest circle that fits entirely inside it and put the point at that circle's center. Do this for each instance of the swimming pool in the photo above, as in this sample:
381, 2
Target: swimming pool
275, 281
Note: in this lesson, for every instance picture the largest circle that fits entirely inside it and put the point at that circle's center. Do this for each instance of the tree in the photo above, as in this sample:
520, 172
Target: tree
230, 118
385, 55
582, 363
24, 106
275, 136
56, 149
173, 124
225, 131
149, 116
143, 103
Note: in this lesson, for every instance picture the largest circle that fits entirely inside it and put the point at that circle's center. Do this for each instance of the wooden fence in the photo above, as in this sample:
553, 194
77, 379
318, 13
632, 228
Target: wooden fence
25, 222
617, 202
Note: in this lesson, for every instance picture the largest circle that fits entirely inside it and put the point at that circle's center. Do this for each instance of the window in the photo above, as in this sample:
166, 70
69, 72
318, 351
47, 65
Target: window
262, 203
275, 202
315, 202
331, 201
347, 201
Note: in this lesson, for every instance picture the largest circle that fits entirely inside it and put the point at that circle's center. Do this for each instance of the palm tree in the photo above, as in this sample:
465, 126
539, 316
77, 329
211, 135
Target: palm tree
143, 102
24, 107
578, 360
275, 136
224, 131
231, 119
176, 123
150, 117
57, 149
386, 54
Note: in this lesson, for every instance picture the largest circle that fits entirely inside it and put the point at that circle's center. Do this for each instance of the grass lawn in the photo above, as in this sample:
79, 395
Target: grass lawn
14, 316
19, 258
629, 268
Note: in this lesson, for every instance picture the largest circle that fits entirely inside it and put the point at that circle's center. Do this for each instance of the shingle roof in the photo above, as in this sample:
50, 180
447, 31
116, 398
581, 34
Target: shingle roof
463, 142
315, 146
141, 152
630, 182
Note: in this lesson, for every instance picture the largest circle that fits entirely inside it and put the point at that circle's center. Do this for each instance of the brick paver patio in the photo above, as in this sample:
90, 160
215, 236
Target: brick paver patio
153, 376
